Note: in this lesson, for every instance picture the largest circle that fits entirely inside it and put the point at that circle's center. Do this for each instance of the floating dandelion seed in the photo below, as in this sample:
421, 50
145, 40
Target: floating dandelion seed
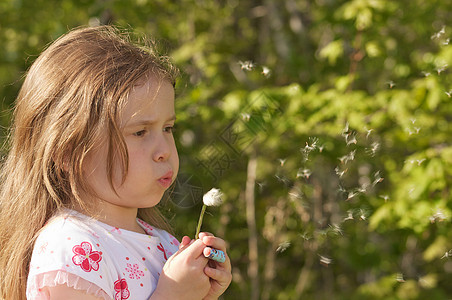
345, 130
363, 188
352, 139
325, 260
245, 116
305, 236
439, 34
363, 215
295, 195
447, 254
266, 71
282, 161
391, 84
416, 130
426, 74
377, 178
368, 131
446, 42
261, 186
283, 247
336, 229
247, 65
413, 120
340, 172
310, 146
420, 161
439, 70
305, 173
449, 93
211, 198
349, 216
373, 149
385, 197
282, 179
351, 195
346, 158
399, 277
438, 216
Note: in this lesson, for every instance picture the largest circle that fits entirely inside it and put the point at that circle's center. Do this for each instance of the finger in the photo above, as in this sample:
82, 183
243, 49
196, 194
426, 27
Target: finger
195, 249
203, 234
214, 242
223, 277
185, 242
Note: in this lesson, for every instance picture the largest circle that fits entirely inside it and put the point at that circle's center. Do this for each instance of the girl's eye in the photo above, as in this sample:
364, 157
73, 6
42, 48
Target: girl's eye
169, 129
139, 133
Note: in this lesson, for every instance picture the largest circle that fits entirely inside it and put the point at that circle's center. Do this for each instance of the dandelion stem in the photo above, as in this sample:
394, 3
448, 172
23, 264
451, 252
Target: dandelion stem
198, 228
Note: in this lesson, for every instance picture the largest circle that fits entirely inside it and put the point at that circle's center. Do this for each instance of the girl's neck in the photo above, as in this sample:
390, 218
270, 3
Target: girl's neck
120, 217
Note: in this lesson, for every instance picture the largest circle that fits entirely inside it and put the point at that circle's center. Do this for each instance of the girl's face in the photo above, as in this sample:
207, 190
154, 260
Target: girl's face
146, 122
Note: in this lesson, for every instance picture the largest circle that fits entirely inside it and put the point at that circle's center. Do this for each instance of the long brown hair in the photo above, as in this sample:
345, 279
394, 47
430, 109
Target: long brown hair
70, 98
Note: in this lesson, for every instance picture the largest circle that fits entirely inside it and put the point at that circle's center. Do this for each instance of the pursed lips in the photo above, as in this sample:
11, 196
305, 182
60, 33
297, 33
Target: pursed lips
166, 180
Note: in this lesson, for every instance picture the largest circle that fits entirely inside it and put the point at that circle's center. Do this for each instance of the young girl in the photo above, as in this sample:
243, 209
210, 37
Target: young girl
92, 153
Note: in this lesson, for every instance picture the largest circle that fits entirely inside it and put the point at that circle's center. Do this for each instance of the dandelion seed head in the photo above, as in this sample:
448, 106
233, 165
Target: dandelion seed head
213, 197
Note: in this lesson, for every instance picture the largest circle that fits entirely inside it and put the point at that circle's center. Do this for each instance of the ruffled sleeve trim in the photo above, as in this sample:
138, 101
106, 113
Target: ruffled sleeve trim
36, 289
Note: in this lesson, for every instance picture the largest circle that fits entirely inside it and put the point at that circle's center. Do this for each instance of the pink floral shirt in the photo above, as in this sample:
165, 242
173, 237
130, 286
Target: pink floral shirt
108, 262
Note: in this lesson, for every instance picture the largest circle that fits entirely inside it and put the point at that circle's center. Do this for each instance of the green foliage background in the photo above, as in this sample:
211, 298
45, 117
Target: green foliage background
326, 124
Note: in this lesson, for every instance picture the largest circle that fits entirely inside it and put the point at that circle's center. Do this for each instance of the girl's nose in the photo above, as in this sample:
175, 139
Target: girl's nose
162, 150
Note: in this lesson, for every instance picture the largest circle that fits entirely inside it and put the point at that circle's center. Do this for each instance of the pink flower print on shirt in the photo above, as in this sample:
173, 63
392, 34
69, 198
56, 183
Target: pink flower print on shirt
134, 270
148, 228
174, 241
122, 289
116, 229
43, 248
161, 248
86, 258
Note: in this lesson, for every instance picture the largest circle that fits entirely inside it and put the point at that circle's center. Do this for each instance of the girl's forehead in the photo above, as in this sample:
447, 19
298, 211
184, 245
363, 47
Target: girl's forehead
148, 99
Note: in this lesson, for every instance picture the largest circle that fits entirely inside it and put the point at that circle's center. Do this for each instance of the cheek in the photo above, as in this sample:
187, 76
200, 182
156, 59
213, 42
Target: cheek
176, 161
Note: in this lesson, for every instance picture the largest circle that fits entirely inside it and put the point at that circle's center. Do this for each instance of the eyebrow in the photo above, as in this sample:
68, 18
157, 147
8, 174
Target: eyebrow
148, 121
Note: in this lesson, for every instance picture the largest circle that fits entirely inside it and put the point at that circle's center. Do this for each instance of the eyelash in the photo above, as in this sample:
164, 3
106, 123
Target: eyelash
169, 129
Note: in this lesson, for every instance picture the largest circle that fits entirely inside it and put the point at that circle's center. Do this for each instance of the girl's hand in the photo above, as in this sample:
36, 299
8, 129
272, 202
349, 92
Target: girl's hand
219, 273
183, 275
